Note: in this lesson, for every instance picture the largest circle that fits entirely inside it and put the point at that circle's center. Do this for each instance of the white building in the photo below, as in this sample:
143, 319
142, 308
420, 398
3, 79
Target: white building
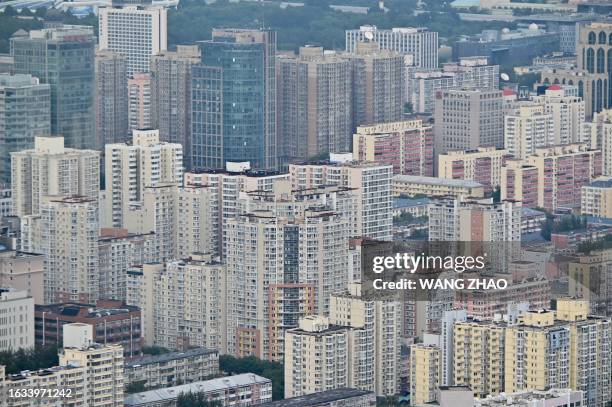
16, 320
526, 128
420, 43
567, 112
134, 31
51, 169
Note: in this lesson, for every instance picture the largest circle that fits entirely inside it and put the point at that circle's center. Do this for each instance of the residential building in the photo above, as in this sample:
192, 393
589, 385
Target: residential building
17, 310
234, 110
314, 104
468, 119
424, 373
6, 204
406, 145
63, 58
589, 279
596, 198
23, 272
419, 43
482, 165
111, 322
135, 31
139, 102
51, 169
585, 81
378, 96
171, 95
527, 128
141, 283
111, 98
130, 168
552, 177
598, 133
249, 388
172, 368
316, 357
435, 187
371, 185
329, 398
25, 115
536, 398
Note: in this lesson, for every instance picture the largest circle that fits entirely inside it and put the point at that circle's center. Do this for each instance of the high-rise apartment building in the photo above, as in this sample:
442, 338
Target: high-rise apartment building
598, 132
378, 90
139, 102
406, 145
62, 57
425, 373
482, 165
234, 100
135, 31
370, 183
24, 272
419, 43
130, 168
468, 119
567, 113
527, 128
552, 177
111, 99
314, 104
51, 169
171, 95
596, 198
17, 310
25, 113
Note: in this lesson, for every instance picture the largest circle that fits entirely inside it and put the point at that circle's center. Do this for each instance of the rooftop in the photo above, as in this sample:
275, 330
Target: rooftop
167, 357
437, 181
602, 182
318, 399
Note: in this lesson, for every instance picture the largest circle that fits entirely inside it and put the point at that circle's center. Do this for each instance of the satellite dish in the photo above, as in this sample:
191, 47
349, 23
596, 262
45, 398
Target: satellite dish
504, 77
369, 35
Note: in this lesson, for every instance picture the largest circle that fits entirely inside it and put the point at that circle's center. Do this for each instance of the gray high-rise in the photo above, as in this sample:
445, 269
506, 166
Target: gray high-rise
25, 113
234, 100
171, 95
111, 99
62, 57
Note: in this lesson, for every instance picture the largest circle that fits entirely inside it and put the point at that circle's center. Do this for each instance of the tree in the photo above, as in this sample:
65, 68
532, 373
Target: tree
270, 370
29, 359
497, 194
196, 400
154, 350
136, 387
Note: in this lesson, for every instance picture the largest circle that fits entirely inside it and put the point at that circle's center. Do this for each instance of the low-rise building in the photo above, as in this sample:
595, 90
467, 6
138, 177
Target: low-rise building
244, 389
330, 398
172, 369
482, 165
113, 322
432, 186
535, 398
16, 320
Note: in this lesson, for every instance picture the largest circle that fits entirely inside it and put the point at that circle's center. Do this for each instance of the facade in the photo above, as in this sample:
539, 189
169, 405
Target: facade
378, 96
249, 388
552, 177
170, 369
23, 272
598, 132
233, 121
588, 278
594, 49
111, 98
407, 145
433, 186
314, 104
25, 113
370, 184
419, 43
136, 32
112, 323
567, 113
17, 310
484, 128
139, 101
527, 128
62, 57
424, 373
482, 165
585, 81
596, 198
129, 168
51, 169
171, 95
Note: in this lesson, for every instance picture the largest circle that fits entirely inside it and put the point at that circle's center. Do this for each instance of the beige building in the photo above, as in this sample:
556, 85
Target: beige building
598, 133
374, 339
482, 165
435, 187
24, 272
526, 128
589, 278
314, 103
425, 373
16, 320
51, 169
316, 357
130, 168
371, 185
139, 101
596, 198
141, 292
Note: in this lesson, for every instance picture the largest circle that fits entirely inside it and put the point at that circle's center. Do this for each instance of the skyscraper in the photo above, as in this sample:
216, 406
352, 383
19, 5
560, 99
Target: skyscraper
171, 95
24, 115
62, 57
594, 50
234, 100
315, 104
136, 31
111, 99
